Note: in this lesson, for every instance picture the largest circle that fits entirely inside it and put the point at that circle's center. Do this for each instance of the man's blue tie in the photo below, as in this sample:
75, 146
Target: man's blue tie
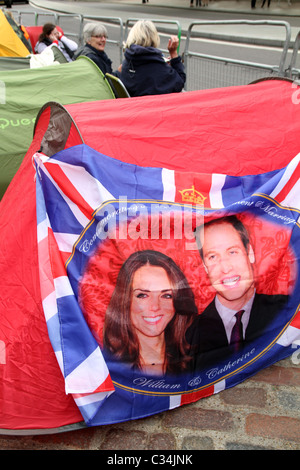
236, 338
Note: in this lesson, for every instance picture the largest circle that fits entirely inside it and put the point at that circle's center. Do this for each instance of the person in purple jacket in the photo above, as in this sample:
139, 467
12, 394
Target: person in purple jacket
145, 71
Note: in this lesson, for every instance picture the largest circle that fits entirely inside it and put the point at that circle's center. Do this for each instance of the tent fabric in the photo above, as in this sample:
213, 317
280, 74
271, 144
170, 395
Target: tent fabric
192, 127
23, 94
48, 57
12, 40
239, 131
32, 392
14, 63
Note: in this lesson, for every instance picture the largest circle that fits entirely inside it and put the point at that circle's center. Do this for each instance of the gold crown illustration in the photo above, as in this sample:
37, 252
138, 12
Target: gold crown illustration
192, 196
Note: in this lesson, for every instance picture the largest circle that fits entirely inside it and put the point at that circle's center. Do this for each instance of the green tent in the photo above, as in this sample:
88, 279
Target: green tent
24, 92
14, 63
17, 63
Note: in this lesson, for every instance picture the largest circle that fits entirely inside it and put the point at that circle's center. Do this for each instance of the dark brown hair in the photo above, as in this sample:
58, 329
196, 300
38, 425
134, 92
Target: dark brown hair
119, 335
231, 220
47, 29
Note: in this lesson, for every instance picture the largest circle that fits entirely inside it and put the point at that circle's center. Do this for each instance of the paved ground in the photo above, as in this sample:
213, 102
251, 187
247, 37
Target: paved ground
279, 10
262, 413
277, 7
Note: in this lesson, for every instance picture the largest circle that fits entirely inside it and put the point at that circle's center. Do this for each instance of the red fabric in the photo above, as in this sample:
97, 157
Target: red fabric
32, 392
235, 131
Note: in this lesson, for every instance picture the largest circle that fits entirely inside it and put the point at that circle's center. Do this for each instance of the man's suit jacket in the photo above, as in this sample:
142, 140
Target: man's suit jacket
207, 335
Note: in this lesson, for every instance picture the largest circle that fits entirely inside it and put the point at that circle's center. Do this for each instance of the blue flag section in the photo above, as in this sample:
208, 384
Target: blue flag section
161, 287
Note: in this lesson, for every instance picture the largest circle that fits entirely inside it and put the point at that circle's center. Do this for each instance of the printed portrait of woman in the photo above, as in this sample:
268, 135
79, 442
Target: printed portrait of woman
149, 312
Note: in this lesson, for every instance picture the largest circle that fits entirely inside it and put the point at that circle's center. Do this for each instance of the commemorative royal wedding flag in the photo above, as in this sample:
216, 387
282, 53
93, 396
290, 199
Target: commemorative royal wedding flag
160, 287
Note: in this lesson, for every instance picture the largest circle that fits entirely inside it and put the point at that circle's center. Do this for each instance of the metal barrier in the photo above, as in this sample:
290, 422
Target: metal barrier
73, 25
31, 18
19, 16
203, 71
68, 23
211, 71
293, 70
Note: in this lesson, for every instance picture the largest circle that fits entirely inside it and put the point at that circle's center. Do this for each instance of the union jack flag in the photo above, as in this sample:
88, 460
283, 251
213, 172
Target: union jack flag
71, 186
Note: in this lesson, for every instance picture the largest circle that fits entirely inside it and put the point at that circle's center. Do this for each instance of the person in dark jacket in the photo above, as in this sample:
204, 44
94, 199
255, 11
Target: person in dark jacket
145, 71
95, 35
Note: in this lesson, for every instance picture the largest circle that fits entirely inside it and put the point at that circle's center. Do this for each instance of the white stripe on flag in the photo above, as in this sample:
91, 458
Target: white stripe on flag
62, 287
92, 191
82, 219
219, 386
59, 357
290, 335
50, 306
215, 194
175, 401
293, 197
168, 181
40, 156
65, 241
42, 230
92, 398
89, 375
286, 176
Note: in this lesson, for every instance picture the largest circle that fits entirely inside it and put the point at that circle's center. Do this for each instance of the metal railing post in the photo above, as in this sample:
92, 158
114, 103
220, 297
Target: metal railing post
278, 69
291, 70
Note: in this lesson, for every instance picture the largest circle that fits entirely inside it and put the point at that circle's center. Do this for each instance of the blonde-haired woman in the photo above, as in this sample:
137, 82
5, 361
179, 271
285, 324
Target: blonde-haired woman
144, 70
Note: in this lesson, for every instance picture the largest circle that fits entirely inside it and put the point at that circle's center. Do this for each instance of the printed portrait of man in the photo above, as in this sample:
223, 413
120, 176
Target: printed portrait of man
238, 314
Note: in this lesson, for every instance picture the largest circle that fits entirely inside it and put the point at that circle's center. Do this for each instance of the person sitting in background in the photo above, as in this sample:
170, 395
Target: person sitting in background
95, 35
50, 35
145, 71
